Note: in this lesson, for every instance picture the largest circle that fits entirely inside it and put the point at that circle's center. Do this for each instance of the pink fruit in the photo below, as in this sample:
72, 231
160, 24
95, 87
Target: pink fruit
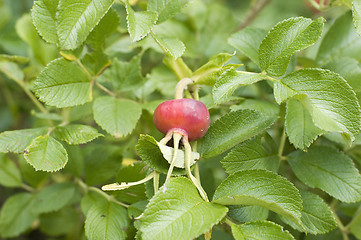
186, 116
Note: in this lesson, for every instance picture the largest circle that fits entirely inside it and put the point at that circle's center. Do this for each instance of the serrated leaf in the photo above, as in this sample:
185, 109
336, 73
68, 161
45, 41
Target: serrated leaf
9, 173
340, 40
356, 13
286, 38
125, 76
317, 217
77, 18
173, 46
40, 50
251, 154
12, 71
43, 14
116, 116
232, 129
166, 8
106, 221
230, 80
63, 84
76, 134
244, 213
177, 209
53, 197
16, 141
349, 69
328, 169
261, 188
261, 230
107, 25
140, 23
265, 107
209, 72
96, 62
16, 215
148, 150
248, 41
300, 129
330, 100
46, 154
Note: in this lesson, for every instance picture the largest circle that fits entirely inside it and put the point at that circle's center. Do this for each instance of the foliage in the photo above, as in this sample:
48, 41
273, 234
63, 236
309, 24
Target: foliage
79, 83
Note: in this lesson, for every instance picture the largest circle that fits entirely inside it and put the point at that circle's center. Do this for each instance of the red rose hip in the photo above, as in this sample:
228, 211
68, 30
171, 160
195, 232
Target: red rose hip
187, 116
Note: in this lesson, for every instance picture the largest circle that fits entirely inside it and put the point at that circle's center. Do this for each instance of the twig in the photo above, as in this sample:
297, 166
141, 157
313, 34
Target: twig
253, 12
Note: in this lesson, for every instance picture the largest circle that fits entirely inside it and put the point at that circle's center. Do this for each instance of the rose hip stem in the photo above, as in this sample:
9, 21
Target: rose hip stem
176, 139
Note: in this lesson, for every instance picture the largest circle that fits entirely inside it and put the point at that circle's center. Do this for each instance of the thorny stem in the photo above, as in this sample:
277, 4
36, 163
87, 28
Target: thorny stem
176, 138
187, 158
253, 12
181, 85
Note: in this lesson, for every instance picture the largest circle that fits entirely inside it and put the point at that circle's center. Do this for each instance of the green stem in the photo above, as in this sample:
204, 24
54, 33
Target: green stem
28, 188
108, 197
106, 90
340, 225
253, 12
181, 86
282, 145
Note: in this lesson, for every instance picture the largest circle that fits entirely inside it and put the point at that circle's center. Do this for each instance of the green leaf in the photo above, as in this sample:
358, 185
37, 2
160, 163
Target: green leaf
330, 100
356, 13
166, 8
355, 224
116, 116
300, 129
9, 173
265, 107
16, 141
106, 220
251, 154
328, 169
349, 69
91, 198
104, 29
232, 129
16, 215
63, 222
173, 46
63, 84
76, 134
286, 38
77, 18
340, 40
12, 71
53, 197
244, 213
96, 62
177, 209
212, 70
261, 188
132, 173
230, 80
40, 50
46, 154
43, 14
261, 230
102, 162
148, 150
248, 41
125, 76
140, 23
317, 217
